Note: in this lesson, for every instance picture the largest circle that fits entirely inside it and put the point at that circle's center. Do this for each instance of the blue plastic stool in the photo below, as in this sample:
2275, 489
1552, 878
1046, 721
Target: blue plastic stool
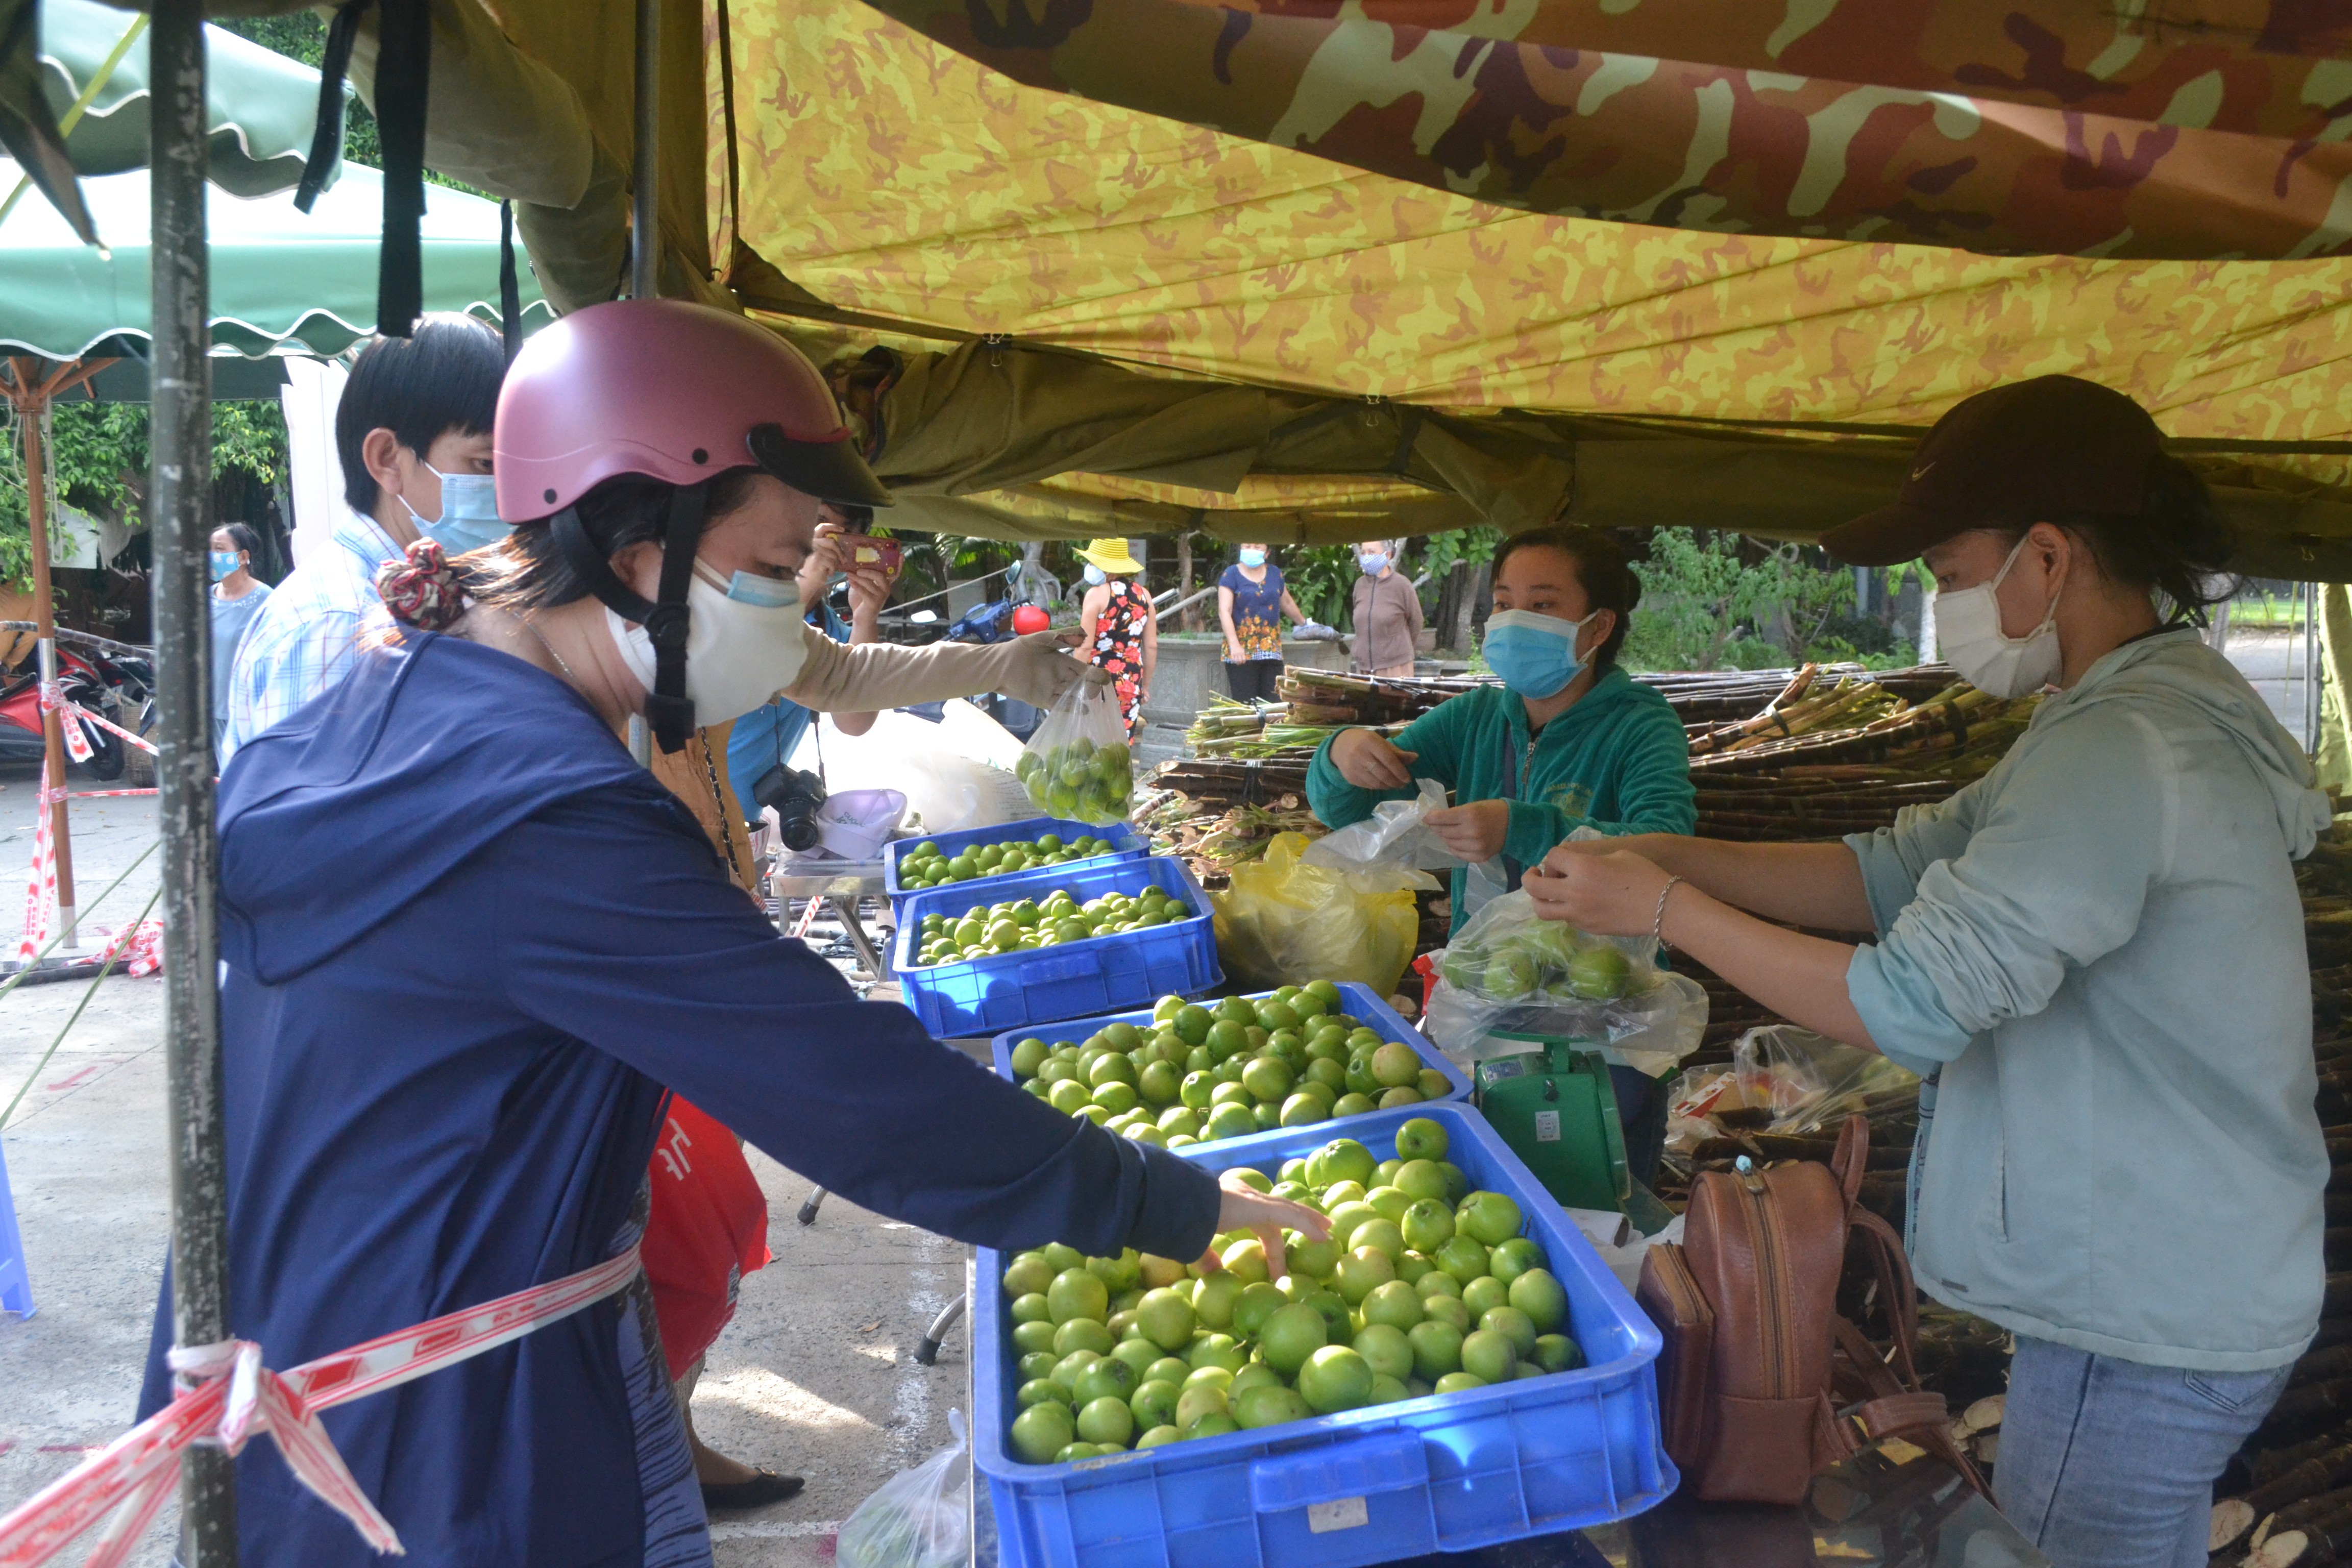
16, 1279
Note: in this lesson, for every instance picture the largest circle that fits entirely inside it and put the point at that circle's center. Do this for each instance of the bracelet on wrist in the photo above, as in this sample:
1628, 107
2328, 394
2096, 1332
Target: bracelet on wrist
1658, 922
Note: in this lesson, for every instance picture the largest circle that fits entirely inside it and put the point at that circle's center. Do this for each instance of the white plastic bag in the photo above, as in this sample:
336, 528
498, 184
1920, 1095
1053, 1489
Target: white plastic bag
1077, 766
1394, 835
917, 1519
955, 775
1510, 969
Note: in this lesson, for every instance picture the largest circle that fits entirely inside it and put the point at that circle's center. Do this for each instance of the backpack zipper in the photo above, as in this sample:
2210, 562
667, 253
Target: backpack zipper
1769, 1284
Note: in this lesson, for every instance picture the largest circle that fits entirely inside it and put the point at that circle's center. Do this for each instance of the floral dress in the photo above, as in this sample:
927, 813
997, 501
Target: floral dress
1118, 644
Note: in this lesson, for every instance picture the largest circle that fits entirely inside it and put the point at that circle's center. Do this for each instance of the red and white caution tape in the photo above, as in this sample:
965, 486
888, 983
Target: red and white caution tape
105, 724
41, 892
236, 1396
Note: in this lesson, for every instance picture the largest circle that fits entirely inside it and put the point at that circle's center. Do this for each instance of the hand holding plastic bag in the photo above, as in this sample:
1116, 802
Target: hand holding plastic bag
1286, 920
1397, 832
917, 1519
1509, 969
1078, 765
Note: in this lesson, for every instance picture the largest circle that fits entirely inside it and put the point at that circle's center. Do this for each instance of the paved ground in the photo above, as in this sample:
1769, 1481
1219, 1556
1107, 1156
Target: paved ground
2272, 661
815, 1377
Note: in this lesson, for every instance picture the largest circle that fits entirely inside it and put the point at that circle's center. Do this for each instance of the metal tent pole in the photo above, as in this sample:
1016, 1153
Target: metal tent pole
180, 440
645, 224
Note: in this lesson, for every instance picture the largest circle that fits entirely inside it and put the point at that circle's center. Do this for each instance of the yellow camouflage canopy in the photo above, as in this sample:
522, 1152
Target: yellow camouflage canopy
1625, 373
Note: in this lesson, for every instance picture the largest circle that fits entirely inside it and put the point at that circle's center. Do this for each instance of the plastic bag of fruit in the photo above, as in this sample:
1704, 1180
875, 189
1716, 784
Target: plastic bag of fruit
1284, 921
1077, 766
1508, 969
1811, 1082
917, 1519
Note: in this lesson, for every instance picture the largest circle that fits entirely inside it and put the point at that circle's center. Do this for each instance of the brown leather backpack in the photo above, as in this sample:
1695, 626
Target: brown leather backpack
1762, 1383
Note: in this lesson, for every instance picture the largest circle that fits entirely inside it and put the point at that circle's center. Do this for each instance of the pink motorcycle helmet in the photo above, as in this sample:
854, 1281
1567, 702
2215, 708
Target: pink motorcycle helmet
672, 391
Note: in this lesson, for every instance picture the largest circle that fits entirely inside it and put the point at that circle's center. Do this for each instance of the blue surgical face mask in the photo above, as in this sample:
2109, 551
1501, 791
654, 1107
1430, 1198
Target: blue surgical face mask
1253, 557
224, 563
1096, 575
1534, 655
1373, 564
767, 593
469, 513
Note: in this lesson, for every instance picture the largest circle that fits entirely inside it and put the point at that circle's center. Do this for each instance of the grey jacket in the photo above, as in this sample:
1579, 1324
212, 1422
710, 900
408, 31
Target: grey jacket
2098, 948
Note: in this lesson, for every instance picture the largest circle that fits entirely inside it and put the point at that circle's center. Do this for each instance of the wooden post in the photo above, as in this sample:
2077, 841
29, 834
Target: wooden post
30, 393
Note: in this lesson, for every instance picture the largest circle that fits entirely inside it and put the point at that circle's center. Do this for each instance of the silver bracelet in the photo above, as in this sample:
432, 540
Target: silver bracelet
1658, 925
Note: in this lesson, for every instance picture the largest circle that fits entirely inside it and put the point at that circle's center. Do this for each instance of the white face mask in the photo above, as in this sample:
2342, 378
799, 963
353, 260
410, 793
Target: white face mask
744, 644
1969, 635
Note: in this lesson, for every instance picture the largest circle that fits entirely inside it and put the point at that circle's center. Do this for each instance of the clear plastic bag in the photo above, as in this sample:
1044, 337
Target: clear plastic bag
1394, 835
1078, 765
1812, 1083
1286, 920
1508, 969
917, 1519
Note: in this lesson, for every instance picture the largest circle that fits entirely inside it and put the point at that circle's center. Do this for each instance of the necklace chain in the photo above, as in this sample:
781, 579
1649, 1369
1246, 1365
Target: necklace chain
532, 628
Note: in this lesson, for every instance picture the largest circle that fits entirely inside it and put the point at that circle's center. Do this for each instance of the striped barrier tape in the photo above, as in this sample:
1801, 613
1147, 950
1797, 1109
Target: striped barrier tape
234, 1397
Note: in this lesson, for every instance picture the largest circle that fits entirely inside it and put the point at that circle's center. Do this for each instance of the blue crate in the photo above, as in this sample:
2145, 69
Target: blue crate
1125, 842
1444, 1473
1356, 999
1011, 990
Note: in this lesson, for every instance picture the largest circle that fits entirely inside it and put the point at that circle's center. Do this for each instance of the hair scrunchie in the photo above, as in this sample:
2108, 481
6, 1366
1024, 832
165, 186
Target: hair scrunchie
422, 590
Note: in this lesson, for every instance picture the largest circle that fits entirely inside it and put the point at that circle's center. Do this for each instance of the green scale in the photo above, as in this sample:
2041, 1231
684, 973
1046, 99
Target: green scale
1553, 1104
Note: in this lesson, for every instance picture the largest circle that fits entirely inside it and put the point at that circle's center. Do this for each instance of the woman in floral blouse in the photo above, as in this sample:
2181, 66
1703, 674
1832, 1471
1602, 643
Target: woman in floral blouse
1122, 635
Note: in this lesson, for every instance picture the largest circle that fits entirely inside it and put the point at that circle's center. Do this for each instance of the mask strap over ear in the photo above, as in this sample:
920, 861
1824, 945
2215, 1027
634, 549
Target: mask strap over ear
669, 711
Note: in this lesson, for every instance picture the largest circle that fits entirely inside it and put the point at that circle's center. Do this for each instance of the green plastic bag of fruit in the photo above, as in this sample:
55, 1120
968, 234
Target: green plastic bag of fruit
918, 1518
1286, 921
1078, 767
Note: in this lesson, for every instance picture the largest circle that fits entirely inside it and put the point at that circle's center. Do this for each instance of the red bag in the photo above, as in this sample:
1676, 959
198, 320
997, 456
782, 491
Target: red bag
707, 1228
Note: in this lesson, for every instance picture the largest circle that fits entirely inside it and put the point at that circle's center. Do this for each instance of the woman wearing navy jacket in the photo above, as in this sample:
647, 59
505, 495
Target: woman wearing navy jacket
470, 946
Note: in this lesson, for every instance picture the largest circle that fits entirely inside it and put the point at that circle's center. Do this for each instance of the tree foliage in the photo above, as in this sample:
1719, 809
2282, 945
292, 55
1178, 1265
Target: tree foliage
99, 454
1707, 604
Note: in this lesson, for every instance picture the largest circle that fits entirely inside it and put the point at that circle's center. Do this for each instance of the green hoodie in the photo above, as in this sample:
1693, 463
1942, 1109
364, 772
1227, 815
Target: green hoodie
1617, 762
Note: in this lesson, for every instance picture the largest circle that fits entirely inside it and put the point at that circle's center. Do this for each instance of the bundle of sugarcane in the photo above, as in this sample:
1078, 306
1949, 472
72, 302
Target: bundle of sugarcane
1779, 808
1960, 735
1276, 740
1279, 782
1847, 704
1224, 718
1336, 698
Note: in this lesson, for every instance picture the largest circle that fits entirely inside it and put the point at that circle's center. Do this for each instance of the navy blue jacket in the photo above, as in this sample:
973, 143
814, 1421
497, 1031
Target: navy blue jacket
468, 943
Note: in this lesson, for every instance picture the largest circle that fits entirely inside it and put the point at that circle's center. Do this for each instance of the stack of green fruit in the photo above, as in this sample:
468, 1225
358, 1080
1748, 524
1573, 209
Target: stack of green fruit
1547, 959
1202, 1073
1080, 781
1044, 922
1424, 1287
925, 867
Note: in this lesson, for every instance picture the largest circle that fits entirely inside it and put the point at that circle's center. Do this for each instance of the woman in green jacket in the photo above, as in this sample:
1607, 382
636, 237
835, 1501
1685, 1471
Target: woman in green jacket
1568, 740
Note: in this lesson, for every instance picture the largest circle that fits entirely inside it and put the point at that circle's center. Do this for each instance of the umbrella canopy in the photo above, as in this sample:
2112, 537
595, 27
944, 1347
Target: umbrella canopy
281, 283
261, 106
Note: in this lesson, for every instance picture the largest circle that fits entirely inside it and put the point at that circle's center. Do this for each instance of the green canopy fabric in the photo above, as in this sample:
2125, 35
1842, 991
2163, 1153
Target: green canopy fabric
261, 105
281, 283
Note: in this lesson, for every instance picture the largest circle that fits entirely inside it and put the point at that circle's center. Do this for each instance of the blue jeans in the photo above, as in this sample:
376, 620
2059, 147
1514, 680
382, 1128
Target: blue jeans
2107, 1463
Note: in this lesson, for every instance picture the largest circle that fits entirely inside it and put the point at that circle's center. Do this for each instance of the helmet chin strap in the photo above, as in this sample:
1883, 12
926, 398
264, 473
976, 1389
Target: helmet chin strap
670, 711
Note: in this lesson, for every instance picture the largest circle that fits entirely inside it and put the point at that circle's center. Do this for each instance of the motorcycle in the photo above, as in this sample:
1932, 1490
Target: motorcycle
84, 681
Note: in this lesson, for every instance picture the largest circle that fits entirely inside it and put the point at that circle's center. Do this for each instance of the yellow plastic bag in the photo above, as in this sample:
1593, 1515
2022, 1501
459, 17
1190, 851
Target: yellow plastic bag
1283, 922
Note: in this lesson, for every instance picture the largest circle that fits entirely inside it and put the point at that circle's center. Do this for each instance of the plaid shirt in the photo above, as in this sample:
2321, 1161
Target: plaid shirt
307, 635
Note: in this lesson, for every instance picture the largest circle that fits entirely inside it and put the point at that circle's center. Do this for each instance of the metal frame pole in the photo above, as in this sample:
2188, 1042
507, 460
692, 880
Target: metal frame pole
644, 175
180, 440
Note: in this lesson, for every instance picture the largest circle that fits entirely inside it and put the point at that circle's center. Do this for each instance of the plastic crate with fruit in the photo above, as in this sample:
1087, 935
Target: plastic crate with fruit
1242, 1472
1008, 989
1165, 1085
1126, 844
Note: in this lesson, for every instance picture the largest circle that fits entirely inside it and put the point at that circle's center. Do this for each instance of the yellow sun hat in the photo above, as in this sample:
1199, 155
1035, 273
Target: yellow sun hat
1111, 555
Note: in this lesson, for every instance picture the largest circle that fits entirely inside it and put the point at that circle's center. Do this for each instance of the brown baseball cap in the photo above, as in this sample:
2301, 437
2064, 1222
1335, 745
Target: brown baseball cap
2055, 447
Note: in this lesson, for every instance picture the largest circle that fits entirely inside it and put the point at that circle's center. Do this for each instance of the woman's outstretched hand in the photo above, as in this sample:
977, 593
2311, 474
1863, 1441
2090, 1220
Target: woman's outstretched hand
1606, 891
1369, 762
1244, 1207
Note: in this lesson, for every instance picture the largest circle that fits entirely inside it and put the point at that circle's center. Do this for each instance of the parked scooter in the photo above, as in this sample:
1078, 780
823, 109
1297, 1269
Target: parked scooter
86, 686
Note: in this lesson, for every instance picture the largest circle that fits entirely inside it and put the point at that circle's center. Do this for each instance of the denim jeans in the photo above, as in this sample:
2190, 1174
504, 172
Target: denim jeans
2107, 1463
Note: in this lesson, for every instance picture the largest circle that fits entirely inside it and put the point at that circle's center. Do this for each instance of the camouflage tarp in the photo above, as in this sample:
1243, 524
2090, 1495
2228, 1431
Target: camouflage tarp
1552, 119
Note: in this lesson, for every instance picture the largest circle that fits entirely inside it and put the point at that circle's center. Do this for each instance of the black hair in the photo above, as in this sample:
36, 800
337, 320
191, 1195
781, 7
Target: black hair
1602, 570
420, 388
243, 538
526, 570
2176, 545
